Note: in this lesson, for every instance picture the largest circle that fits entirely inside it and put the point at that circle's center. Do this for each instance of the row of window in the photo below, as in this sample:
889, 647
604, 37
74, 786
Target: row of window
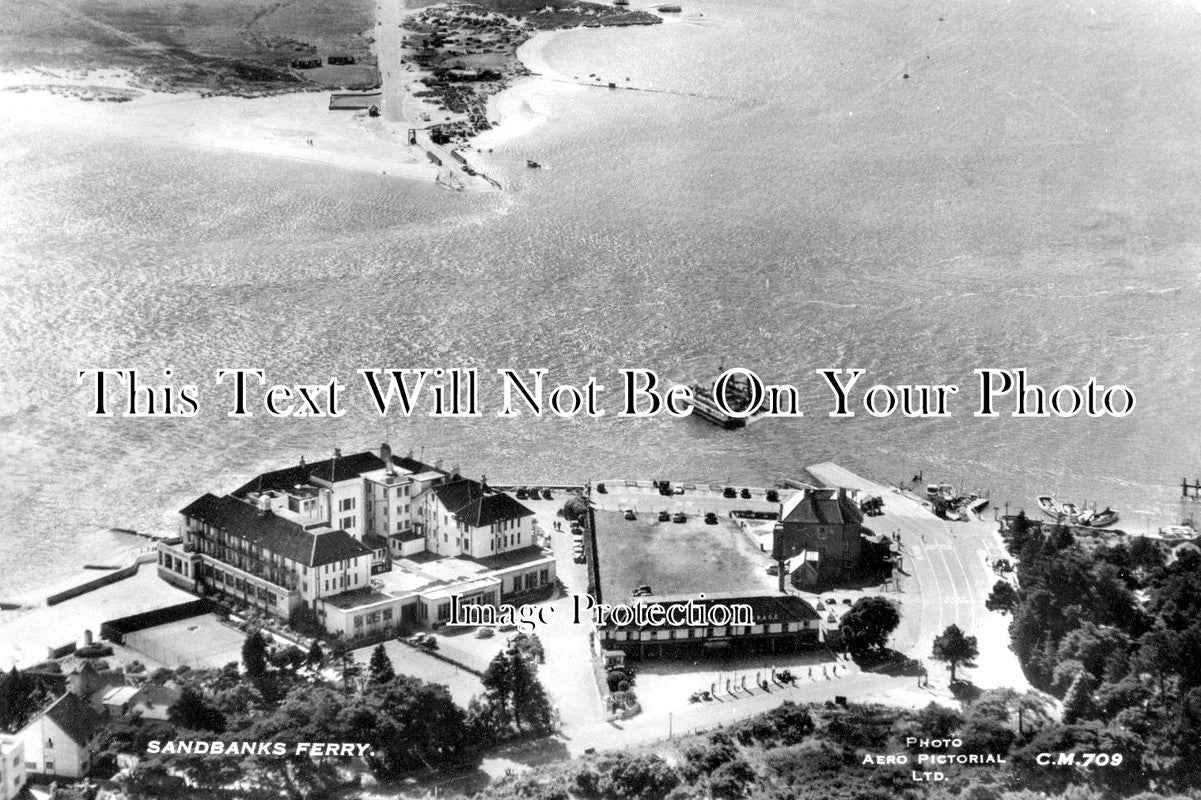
702, 633
373, 618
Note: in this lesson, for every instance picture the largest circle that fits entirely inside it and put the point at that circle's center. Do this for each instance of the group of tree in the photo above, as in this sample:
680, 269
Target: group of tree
21, 696
410, 725
1115, 632
867, 627
514, 702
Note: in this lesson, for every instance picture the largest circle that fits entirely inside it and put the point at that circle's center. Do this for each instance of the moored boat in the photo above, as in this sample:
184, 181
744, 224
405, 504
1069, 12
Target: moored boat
1047, 504
1102, 519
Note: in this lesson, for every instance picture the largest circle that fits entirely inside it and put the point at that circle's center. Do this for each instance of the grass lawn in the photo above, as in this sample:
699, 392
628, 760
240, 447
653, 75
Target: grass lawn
675, 558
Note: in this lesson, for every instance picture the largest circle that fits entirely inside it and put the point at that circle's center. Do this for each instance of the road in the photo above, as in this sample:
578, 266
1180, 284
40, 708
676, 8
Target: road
946, 580
389, 37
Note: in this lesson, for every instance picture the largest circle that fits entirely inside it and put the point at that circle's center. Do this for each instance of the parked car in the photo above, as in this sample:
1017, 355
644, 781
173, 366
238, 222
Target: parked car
600, 489
679, 516
521, 493
745, 494
630, 515
664, 516
773, 496
773, 569
547, 494
711, 518
578, 558
729, 492
642, 591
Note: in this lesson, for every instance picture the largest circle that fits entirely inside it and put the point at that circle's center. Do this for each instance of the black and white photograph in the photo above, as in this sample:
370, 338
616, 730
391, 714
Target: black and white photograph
600, 399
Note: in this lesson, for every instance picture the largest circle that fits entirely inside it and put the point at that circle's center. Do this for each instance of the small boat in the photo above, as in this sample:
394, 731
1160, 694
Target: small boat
1070, 510
932, 491
532, 164
1102, 519
1047, 504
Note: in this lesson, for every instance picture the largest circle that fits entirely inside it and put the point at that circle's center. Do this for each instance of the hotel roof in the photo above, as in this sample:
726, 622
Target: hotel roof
272, 532
332, 470
476, 505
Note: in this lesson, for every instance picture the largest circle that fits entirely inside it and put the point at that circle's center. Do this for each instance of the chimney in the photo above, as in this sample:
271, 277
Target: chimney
302, 462
337, 452
264, 505
484, 482
454, 471
438, 464
385, 455
87, 638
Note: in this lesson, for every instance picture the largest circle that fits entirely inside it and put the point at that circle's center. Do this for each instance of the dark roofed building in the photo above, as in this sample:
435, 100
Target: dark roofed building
777, 622
63, 739
822, 521
466, 517
279, 536
331, 470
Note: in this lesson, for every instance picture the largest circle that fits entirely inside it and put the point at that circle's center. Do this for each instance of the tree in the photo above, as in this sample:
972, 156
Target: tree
575, 507
380, 668
639, 777
254, 656
193, 712
514, 693
869, 623
1003, 598
316, 656
955, 648
343, 657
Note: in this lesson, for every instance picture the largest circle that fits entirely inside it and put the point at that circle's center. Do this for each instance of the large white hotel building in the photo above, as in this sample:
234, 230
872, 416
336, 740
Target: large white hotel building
366, 541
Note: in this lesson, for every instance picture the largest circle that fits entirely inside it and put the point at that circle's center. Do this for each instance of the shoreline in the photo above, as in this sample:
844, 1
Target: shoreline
517, 106
295, 126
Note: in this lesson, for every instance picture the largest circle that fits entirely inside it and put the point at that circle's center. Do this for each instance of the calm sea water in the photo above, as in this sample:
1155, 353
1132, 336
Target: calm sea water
784, 200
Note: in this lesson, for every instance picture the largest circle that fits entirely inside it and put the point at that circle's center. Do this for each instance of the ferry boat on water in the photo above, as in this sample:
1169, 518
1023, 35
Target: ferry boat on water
738, 398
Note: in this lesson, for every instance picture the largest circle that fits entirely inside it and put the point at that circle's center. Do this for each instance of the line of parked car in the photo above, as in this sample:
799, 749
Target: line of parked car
577, 542
666, 516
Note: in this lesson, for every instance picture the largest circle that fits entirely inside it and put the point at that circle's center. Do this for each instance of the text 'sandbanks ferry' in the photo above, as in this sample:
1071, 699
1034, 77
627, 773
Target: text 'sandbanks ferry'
738, 397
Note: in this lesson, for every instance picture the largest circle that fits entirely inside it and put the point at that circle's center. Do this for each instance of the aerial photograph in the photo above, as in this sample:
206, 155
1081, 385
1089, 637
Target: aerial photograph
574, 400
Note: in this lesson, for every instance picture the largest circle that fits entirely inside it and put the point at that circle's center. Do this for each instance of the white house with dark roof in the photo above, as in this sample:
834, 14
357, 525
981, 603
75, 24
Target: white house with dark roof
466, 517
63, 739
314, 535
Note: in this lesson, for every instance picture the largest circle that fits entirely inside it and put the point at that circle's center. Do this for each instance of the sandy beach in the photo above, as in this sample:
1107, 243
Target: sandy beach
521, 108
293, 126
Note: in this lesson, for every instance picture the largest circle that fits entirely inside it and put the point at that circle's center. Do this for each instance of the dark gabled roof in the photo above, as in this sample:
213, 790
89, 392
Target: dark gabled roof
75, 717
492, 508
457, 494
824, 507
274, 533
476, 505
331, 470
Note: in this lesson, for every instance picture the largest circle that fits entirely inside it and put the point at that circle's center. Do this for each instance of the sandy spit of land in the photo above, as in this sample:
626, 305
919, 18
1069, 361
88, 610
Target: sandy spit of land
292, 126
